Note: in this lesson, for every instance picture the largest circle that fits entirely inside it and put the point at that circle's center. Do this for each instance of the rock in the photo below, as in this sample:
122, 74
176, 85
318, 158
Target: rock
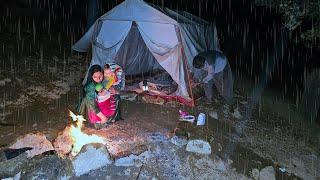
157, 137
135, 149
219, 147
133, 160
267, 173
12, 153
237, 114
213, 114
15, 177
229, 161
2, 156
91, 158
13, 166
255, 174
211, 139
126, 161
143, 157
198, 146
283, 169
220, 165
179, 141
148, 172
243, 102
47, 167
63, 143
38, 142
4, 81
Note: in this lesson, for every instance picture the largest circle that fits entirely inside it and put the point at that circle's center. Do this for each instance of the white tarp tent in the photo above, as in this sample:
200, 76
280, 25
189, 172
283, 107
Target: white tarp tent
141, 37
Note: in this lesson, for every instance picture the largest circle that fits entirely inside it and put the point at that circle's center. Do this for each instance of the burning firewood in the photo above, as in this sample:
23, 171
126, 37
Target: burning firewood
72, 139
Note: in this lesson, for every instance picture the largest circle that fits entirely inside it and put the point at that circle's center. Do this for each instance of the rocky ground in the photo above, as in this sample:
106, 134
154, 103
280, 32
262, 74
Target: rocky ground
270, 141
38, 89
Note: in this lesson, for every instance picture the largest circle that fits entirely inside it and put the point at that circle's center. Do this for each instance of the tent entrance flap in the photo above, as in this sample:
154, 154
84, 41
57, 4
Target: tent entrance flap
134, 56
140, 64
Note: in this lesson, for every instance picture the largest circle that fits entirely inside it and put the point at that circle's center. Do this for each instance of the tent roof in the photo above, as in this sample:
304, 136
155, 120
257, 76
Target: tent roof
129, 10
181, 16
137, 10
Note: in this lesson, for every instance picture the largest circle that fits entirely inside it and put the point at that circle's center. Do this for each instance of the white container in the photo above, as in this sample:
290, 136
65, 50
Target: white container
201, 119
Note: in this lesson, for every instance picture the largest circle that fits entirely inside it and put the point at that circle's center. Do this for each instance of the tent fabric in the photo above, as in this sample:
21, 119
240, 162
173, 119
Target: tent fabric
139, 11
198, 35
85, 42
140, 37
134, 56
159, 44
112, 32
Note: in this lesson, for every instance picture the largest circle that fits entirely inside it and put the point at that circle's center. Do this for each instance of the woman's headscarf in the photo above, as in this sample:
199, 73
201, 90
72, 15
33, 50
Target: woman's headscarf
93, 69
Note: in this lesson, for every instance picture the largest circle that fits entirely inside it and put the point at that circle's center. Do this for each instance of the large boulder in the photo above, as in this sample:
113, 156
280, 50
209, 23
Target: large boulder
133, 160
198, 146
11, 167
267, 173
91, 157
37, 141
179, 141
255, 173
47, 167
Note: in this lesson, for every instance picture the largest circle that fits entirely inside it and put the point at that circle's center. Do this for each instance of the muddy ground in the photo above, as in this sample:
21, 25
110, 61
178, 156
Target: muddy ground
37, 95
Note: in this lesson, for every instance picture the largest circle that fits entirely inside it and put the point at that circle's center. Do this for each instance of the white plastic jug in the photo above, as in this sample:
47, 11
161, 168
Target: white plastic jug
201, 119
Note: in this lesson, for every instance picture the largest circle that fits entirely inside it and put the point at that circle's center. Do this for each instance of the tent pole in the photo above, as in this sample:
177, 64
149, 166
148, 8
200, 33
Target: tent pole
188, 75
186, 66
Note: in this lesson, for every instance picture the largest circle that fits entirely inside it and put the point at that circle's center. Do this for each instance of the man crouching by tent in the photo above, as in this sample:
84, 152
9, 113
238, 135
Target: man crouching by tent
218, 72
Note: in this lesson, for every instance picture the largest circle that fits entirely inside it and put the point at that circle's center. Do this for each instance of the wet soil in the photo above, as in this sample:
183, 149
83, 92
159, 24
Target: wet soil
143, 119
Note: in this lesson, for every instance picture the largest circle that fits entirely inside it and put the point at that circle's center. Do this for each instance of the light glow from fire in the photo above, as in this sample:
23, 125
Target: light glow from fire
79, 138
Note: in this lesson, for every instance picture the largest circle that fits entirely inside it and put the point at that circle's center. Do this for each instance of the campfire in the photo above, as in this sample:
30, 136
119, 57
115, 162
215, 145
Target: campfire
72, 138
79, 138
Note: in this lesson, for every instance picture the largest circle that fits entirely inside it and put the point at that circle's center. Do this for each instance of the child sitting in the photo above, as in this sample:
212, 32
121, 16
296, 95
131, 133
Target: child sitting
105, 101
110, 77
114, 82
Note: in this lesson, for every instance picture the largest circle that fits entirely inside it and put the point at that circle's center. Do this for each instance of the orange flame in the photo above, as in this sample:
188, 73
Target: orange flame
79, 138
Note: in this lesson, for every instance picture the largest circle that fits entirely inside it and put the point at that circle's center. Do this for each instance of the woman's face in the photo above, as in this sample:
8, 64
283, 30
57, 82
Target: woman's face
97, 77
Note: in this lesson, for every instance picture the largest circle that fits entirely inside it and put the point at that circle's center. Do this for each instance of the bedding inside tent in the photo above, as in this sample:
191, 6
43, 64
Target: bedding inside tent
139, 64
